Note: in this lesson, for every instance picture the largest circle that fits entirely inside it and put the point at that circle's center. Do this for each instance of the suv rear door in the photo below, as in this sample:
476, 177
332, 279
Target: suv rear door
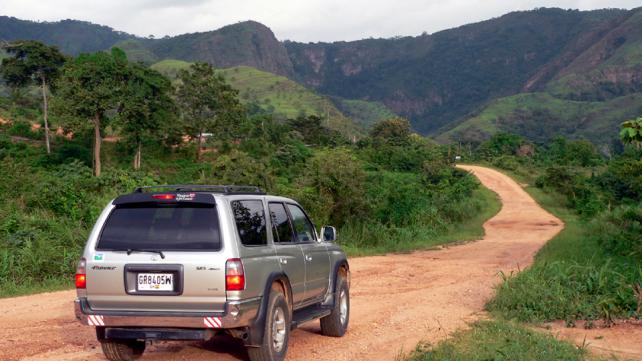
288, 251
315, 254
159, 253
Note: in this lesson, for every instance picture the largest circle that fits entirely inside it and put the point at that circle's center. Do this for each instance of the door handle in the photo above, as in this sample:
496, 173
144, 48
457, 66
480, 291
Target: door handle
283, 261
308, 258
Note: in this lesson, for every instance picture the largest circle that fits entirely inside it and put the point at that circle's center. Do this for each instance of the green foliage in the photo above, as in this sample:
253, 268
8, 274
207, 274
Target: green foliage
146, 109
207, 103
631, 132
619, 232
364, 113
578, 152
314, 133
30, 62
395, 131
591, 269
45, 215
501, 144
541, 117
239, 168
89, 87
334, 182
23, 129
622, 180
582, 194
507, 162
498, 341
567, 291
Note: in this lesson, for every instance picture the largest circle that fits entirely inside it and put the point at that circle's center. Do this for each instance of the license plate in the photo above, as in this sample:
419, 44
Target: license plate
155, 282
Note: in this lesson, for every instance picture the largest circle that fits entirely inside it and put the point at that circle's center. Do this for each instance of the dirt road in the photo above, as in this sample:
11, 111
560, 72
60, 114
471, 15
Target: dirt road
397, 300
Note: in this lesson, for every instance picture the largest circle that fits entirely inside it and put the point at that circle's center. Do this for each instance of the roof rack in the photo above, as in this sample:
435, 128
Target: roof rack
214, 188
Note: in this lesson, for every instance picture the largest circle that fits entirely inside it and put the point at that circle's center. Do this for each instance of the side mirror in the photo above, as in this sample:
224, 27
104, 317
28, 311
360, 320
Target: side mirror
328, 234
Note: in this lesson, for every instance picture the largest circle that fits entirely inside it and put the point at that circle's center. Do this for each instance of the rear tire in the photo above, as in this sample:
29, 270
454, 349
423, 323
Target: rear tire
122, 350
276, 332
336, 323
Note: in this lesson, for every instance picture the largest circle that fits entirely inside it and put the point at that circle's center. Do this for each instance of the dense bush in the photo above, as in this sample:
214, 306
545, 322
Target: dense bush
581, 192
619, 232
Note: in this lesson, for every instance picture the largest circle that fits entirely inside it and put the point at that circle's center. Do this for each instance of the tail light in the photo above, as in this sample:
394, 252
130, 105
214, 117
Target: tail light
81, 274
164, 197
234, 275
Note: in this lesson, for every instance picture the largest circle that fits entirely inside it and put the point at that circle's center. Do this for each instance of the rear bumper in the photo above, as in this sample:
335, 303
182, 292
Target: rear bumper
236, 314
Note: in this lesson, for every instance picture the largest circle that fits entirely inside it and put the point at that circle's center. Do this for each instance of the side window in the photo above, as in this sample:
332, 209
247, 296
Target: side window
282, 230
302, 226
250, 222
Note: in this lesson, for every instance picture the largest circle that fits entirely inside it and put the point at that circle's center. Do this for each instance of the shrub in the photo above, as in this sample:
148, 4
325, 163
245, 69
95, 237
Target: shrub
337, 178
23, 129
507, 162
620, 232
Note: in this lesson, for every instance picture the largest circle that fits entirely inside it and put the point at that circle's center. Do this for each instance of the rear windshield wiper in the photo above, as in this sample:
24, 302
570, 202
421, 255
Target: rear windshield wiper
131, 250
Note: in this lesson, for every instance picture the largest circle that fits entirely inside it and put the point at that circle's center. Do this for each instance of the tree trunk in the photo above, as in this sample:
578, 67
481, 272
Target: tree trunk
45, 111
200, 144
137, 157
97, 143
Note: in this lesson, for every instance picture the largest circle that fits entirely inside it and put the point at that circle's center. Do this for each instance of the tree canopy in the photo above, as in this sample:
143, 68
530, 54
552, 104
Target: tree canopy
33, 62
89, 91
208, 104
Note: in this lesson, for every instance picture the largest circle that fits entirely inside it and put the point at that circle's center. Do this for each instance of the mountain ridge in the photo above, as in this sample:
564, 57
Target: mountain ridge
439, 81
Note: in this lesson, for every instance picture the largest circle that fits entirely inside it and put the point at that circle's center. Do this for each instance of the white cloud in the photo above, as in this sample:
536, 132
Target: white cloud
300, 20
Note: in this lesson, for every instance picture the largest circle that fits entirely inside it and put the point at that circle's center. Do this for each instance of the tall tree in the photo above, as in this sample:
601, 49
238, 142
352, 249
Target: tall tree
89, 92
146, 107
207, 103
33, 62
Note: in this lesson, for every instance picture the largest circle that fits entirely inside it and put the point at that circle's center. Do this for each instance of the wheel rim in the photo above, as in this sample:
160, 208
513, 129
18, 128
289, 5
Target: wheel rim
278, 329
343, 307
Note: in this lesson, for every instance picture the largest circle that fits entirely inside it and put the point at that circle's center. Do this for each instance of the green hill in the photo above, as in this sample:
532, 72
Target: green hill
610, 68
439, 78
71, 36
438, 81
275, 94
600, 88
541, 116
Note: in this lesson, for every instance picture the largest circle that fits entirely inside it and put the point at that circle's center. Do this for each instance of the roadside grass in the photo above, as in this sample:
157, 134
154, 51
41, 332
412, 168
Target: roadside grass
9, 289
572, 278
416, 237
498, 340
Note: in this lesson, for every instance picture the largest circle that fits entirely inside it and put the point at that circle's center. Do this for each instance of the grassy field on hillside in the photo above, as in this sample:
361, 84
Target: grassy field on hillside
542, 116
274, 94
363, 112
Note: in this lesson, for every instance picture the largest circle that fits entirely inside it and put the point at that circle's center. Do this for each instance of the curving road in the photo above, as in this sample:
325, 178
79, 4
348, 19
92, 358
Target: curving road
397, 299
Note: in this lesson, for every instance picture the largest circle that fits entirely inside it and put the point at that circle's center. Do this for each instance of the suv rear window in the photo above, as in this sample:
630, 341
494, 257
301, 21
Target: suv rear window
165, 228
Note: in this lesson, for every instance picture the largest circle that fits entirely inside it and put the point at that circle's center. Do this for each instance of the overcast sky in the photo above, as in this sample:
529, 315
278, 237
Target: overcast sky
300, 20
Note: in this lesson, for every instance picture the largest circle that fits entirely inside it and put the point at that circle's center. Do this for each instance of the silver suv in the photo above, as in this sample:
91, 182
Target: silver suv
189, 262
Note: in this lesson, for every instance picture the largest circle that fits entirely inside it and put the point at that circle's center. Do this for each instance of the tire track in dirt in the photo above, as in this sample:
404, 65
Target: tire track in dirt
397, 299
